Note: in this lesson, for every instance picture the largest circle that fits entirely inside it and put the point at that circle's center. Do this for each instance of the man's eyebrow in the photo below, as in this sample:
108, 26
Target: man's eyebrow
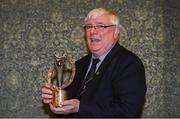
88, 24
100, 23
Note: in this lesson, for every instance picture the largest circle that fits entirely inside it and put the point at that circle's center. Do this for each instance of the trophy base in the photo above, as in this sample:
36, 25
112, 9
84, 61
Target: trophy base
59, 95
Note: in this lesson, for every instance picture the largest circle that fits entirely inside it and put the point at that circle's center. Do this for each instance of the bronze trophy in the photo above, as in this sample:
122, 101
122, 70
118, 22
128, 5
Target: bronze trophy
63, 71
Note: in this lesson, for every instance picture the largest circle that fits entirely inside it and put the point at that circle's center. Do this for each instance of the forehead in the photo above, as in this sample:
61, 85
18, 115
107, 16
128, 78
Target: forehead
103, 19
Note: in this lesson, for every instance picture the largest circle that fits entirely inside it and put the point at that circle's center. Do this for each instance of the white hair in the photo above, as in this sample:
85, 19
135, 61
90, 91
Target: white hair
101, 11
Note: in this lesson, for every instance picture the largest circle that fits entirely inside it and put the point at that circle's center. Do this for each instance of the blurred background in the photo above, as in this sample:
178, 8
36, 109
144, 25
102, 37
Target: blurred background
31, 31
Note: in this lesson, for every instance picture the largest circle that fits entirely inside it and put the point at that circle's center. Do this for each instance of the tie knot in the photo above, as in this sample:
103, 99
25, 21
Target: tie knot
95, 61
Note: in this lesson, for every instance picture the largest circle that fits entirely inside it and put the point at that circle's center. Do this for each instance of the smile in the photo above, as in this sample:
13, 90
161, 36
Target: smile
94, 40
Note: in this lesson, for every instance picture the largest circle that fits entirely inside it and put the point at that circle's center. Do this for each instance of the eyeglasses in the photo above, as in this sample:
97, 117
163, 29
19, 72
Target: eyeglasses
98, 27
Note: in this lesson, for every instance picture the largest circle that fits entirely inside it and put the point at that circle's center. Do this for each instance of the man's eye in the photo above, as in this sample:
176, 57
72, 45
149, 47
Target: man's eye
88, 27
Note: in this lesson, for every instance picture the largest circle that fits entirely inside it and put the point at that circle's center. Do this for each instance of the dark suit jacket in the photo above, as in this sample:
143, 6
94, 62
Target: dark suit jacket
117, 90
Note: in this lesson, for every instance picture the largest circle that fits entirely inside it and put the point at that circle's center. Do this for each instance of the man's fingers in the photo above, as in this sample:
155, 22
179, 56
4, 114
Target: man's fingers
46, 96
66, 102
69, 102
62, 110
46, 91
47, 101
57, 110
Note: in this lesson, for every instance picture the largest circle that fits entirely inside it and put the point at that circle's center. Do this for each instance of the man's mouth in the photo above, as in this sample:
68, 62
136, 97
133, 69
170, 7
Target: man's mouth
94, 39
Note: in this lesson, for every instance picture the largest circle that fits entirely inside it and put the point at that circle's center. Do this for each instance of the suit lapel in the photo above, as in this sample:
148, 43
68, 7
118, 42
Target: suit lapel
84, 66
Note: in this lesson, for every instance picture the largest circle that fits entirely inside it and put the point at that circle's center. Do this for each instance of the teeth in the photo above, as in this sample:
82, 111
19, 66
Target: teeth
94, 39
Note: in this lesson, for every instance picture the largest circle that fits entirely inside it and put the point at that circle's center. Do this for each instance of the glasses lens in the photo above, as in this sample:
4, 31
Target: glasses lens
98, 27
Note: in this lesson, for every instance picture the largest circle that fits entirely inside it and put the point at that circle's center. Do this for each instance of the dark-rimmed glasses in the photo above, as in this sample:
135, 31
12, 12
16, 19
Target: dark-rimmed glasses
98, 27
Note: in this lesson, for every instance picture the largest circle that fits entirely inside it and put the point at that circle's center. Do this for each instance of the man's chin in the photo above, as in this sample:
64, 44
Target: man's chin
95, 52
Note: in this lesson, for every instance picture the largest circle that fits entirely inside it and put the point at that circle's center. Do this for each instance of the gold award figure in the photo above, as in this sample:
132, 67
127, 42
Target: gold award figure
63, 71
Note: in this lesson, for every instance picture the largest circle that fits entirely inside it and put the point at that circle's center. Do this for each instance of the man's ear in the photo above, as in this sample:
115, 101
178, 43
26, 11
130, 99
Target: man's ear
116, 32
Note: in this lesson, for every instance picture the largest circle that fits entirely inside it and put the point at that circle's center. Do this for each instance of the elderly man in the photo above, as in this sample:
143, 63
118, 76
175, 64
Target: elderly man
116, 87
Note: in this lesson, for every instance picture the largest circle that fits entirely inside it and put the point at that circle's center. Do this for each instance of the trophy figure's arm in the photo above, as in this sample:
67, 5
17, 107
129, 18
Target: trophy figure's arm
51, 74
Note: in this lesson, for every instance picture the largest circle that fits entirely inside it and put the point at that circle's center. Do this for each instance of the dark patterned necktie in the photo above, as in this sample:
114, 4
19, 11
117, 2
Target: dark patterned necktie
89, 77
92, 70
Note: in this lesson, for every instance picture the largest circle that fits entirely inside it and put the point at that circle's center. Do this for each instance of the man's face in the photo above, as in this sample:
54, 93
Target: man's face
99, 39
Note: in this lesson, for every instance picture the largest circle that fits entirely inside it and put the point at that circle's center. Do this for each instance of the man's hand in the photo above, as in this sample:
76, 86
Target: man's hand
68, 107
47, 93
